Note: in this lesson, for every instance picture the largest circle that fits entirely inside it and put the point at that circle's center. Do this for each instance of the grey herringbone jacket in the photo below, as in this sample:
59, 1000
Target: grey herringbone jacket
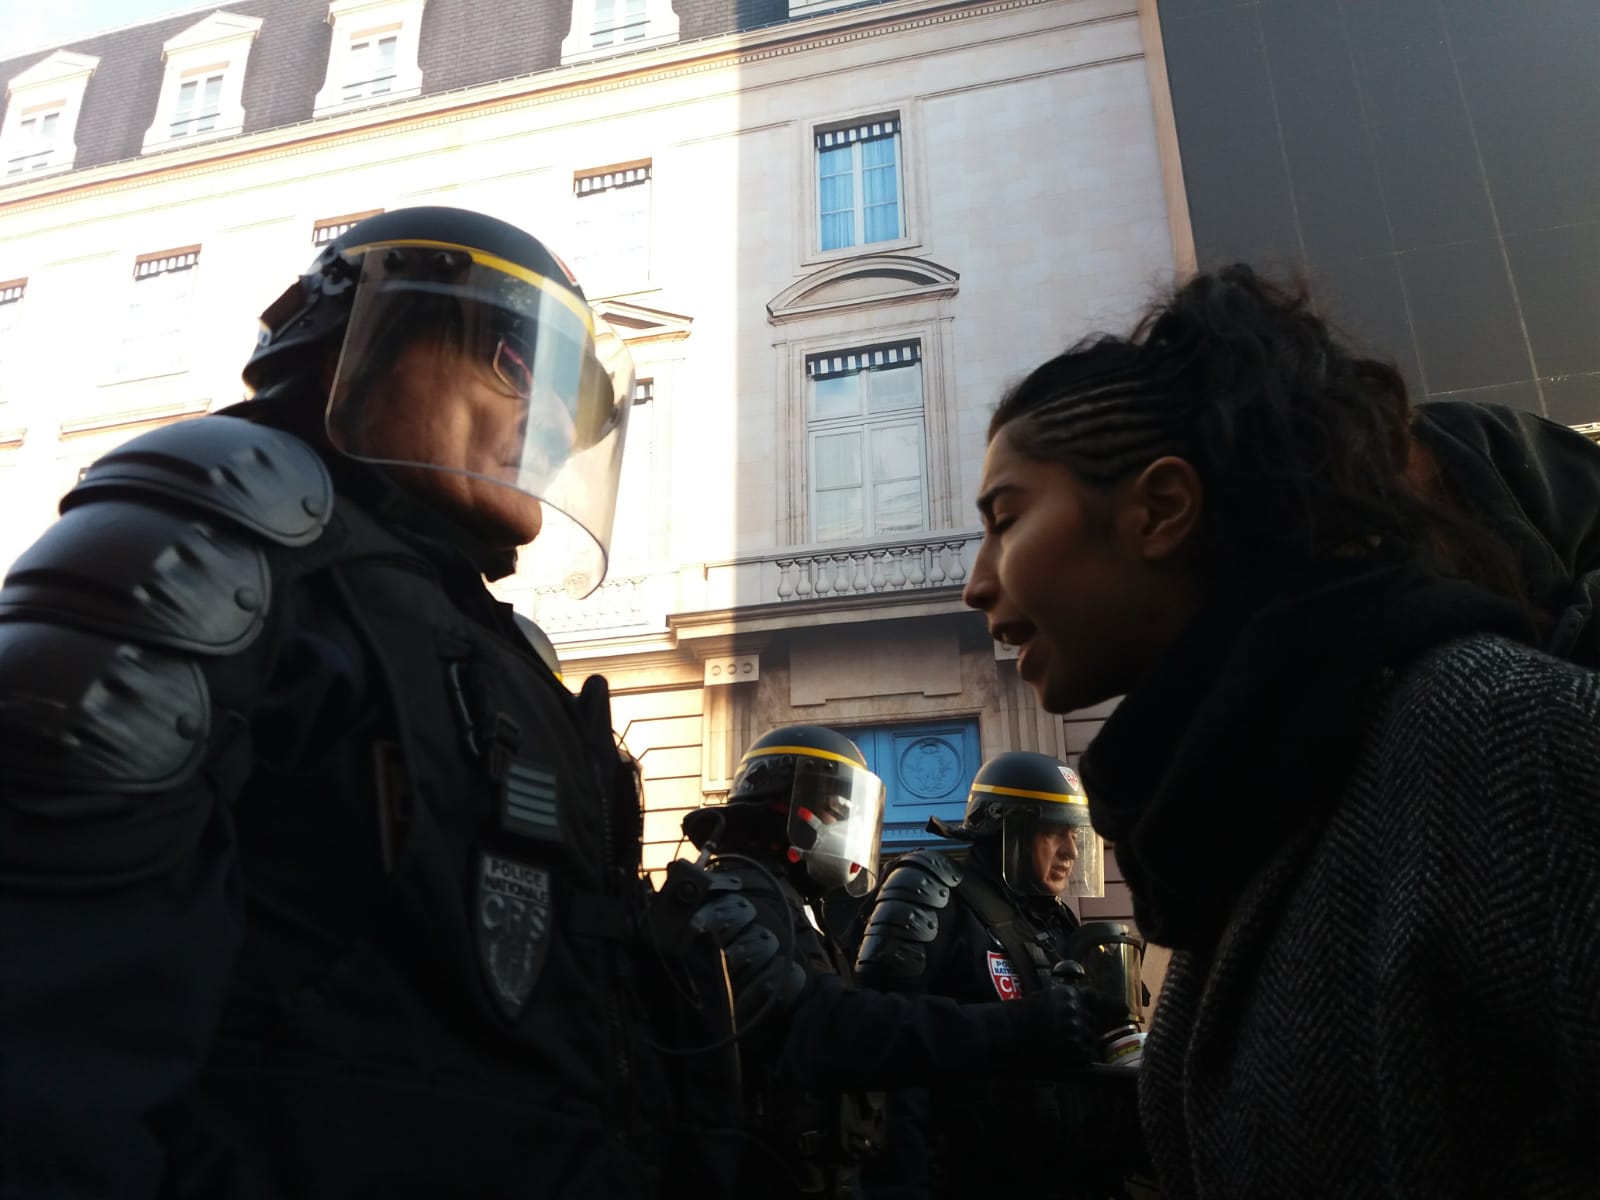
1406, 1001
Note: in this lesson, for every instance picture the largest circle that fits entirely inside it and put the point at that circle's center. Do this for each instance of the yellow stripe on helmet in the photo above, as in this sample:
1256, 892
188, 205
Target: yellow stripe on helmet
505, 266
1053, 797
763, 751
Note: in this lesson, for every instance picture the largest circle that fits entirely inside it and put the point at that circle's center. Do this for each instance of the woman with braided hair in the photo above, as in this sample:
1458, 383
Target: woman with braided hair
1342, 784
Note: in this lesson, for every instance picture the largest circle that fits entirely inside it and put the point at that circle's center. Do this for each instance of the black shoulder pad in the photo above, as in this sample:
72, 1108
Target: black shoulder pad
905, 919
127, 570
79, 711
935, 864
757, 967
260, 479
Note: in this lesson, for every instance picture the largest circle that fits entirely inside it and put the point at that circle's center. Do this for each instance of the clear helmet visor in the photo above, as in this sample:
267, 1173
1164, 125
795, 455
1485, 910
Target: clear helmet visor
1048, 848
836, 822
458, 362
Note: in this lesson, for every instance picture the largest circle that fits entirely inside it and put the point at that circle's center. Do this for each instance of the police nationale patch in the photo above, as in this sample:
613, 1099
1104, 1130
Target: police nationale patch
513, 928
1004, 976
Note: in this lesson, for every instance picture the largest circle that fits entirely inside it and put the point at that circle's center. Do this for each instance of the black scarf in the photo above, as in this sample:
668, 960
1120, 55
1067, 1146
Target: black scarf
1248, 726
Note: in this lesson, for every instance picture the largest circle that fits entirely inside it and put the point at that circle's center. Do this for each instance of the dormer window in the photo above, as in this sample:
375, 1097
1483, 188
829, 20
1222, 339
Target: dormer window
617, 22
602, 27
199, 105
202, 92
42, 105
374, 59
373, 54
36, 142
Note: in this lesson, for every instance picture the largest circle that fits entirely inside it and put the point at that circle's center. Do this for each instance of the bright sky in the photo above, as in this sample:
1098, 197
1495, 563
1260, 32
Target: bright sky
29, 25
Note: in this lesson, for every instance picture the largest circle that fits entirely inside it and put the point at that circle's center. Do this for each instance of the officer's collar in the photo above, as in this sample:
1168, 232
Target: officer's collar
394, 505
376, 491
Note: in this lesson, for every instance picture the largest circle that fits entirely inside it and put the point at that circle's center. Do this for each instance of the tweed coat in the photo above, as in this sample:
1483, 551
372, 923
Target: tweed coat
1405, 998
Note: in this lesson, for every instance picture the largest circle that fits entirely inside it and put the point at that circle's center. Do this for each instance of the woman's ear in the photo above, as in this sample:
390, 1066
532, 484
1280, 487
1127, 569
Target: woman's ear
1160, 511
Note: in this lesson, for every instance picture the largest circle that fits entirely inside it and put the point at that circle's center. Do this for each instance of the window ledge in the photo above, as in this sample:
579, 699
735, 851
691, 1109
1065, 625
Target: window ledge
157, 415
55, 168
124, 380
593, 55
345, 106
193, 139
897, 246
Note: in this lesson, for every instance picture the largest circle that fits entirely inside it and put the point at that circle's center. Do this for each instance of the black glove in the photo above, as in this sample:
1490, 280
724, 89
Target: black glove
1103, 1011
1053, 1031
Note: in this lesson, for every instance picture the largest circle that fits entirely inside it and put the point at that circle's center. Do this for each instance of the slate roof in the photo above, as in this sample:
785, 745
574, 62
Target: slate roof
463, 42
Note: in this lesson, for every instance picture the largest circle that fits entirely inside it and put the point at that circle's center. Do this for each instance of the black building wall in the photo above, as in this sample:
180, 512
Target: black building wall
1432, 165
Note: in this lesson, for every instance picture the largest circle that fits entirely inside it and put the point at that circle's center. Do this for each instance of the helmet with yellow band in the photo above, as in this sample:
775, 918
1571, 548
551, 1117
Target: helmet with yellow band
830, 802
457, 291
1025, 797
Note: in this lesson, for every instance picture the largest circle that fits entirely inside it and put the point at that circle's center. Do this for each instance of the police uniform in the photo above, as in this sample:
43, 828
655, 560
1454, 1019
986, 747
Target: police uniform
314, 879
816, 1045
960, 923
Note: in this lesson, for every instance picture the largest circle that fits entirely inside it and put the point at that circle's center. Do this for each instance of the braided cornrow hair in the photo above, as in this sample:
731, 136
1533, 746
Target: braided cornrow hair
1302, 444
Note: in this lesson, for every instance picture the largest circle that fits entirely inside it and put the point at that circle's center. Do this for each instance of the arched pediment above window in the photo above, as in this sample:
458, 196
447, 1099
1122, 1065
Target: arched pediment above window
869, 281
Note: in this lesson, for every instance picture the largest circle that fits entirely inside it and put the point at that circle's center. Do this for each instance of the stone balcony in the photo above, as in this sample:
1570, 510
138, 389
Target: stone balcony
861, 573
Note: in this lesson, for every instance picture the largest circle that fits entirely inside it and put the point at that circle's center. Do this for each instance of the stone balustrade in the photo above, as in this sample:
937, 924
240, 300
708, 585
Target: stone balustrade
929, 561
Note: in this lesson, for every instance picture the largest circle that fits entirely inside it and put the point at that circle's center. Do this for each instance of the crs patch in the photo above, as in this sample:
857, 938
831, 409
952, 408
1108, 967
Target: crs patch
513, 923
1004, 976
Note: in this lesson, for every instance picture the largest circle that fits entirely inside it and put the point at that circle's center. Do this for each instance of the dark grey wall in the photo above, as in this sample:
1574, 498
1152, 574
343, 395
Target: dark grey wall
1432, 165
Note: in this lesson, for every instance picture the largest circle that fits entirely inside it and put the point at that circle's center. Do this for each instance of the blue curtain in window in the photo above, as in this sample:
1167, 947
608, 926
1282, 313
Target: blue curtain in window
880, 184
836, 197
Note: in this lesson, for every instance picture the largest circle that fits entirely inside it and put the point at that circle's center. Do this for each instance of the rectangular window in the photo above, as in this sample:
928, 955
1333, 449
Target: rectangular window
199, 103
867, 447
10, 308
611, 242
36, 142
153, 340
858, 184
618, 21
372, 63
325, 230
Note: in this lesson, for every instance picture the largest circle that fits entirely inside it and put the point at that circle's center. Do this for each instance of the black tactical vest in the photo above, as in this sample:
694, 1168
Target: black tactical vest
799, 1143
484, 1037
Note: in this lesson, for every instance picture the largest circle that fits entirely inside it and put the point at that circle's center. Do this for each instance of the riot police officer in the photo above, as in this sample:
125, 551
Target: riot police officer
803, 818
986, 921
314, 880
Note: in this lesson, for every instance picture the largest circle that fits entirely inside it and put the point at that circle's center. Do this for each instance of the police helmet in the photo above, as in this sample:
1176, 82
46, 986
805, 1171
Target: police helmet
485, 297
831, 802
1021, 796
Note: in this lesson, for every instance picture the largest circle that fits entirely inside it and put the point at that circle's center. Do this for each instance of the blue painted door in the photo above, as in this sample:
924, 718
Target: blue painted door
927, 770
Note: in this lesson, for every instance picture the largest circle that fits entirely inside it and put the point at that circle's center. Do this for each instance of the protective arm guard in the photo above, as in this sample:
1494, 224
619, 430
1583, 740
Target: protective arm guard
905, 922
126, 629
764, 978
134, 642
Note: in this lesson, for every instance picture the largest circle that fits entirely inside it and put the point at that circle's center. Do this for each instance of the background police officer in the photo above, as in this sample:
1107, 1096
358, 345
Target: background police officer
314, 880
989, 920
804, 817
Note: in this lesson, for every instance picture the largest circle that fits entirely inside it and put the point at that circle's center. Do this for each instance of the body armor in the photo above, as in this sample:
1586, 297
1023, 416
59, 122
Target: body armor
484, 1025
813, 1142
